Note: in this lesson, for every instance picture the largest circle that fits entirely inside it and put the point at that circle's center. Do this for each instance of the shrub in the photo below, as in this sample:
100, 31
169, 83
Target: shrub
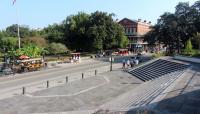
38, 41
188, 48
57, 48
196, 53
157, 55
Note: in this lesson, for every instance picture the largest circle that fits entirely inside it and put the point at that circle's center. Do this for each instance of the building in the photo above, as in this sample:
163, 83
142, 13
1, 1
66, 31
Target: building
135, 31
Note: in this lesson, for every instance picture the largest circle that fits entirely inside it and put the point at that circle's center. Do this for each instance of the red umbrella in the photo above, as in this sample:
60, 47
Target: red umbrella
23, 57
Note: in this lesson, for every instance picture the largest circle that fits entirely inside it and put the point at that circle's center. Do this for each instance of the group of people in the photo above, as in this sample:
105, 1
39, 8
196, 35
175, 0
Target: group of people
129, 63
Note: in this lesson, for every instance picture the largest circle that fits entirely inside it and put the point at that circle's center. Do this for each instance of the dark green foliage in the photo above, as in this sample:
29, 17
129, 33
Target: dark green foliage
12, 31
94, 32
174, 29
56, 48
80, 32
54, 33
8, 43
188, 48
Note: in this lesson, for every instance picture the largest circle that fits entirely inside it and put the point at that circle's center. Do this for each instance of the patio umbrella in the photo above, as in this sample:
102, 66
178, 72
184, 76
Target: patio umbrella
23, 57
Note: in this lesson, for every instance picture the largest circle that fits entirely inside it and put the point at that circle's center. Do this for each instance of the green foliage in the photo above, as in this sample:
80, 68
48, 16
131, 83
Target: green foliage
54, 33
197, 39
76, 27
94, 32
196, 53
38, 41
80, 32
174, 29
30, 50
157, 55
8, 43
188, 48
56, 48
12, 31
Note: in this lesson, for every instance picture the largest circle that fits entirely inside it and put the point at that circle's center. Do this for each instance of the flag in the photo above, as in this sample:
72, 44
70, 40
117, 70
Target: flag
14, 2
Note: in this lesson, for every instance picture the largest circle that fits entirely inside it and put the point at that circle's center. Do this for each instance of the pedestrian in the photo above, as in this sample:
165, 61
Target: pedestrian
132, 63
128, 63
136, 62
123, 63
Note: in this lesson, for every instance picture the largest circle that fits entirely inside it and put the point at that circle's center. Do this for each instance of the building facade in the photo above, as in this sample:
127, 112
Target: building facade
135, 31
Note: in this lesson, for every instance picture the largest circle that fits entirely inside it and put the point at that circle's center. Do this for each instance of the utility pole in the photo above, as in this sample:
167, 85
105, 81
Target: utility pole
18, 33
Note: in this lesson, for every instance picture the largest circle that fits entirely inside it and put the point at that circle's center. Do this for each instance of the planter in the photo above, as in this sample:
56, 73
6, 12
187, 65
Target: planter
190, 59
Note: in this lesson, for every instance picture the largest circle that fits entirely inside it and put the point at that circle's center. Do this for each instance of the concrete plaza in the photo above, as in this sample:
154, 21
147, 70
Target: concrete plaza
91, 94
80, 95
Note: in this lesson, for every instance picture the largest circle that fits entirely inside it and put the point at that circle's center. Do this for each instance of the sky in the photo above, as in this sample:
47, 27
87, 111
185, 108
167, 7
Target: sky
41, 13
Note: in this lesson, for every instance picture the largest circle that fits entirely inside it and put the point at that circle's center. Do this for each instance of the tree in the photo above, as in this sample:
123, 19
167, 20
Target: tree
105, 33
197, 39
196, 13
8, 43
30, 50
12, 31
122, 40
174, 29
38, 41
93, 32
188, 48
54, 33
57, 48
76, 27
80, 32
185, 17
166, 32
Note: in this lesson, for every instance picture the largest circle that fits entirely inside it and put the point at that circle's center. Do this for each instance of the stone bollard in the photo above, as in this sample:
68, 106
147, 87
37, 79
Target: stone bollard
23, 90
82, 75
95, 72
66, 79
47, 84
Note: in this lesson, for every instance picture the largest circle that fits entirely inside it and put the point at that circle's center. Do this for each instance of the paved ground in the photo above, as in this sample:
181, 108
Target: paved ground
84, 94
184, 98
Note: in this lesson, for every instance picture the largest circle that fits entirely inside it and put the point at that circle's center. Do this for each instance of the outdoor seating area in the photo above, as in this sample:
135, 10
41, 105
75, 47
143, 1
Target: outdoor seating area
21, 65
157, 69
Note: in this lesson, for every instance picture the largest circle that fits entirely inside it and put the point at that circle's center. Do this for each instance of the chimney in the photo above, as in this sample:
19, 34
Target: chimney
139, 20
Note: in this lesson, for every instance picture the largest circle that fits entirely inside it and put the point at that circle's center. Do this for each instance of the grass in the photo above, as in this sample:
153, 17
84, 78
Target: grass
194, 53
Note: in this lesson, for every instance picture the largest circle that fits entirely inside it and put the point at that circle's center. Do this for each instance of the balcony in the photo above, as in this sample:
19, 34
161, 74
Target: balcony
132, 42
129, 34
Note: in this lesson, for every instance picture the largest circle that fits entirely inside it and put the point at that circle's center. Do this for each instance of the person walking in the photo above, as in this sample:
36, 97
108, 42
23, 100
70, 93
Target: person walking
123, 63
136, 61
128, 63
132, 63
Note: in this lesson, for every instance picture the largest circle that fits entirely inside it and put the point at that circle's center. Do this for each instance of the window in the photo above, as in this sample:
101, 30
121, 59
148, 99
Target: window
128, 30
134, 30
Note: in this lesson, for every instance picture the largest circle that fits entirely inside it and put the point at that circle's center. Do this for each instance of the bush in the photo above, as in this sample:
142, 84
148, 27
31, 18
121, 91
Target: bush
157, 55
196, 53
188, 49
1, 60
57, 48
38, 41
